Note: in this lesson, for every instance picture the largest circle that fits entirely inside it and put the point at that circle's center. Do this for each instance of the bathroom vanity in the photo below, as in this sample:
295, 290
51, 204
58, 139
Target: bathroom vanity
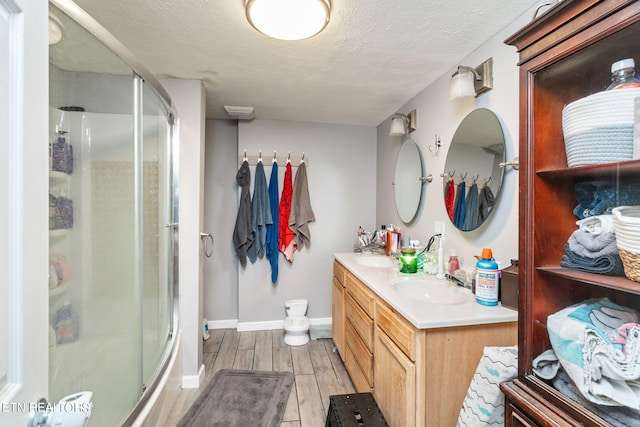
417, 358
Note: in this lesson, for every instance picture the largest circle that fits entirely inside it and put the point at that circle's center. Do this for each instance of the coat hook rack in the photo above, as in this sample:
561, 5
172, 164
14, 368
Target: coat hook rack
279, 160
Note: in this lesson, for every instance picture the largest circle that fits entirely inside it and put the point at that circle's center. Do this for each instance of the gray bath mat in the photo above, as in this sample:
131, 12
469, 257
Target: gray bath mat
241, 398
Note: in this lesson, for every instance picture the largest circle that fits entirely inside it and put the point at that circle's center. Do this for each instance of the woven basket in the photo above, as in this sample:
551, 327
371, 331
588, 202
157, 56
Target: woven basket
599, 127
631, 264
626, 221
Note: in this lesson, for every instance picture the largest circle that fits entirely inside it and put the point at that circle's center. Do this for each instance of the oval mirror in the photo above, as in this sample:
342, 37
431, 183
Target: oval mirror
406, 182
473, 176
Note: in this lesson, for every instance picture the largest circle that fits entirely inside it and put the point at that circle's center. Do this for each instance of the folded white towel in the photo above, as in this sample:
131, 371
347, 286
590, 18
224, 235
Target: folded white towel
596, 225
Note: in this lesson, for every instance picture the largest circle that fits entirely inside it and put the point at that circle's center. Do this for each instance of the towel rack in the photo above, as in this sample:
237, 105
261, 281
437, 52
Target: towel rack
207, 238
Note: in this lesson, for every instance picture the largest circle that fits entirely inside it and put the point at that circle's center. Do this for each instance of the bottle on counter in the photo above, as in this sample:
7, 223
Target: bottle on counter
454, 264
487, 279
623, 75
393, 240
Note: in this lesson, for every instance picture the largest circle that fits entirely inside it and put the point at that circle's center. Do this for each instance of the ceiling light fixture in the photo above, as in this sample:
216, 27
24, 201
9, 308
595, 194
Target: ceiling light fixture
467, 81
288, 19
401, 124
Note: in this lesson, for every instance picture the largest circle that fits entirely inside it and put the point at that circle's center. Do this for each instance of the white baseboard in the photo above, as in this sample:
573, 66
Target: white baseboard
260, 326
193, 381
276, 324
223, 324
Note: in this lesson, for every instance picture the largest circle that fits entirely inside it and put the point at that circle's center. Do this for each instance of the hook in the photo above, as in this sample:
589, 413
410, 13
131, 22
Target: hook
476, 178
260, 155
487, 181
302, 160
465, 176
289, 157
437, 146
274, 156
245, 154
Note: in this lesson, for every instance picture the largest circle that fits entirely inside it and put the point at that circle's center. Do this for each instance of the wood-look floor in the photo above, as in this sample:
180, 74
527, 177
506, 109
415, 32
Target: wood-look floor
319, 372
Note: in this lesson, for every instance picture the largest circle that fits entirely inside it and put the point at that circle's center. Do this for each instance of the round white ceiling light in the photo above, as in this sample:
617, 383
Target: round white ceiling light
288, 19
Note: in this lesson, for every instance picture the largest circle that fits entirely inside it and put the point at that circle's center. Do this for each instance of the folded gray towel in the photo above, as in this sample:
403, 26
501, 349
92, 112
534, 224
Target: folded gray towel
546, 365
591, 246
610, 265
615, 415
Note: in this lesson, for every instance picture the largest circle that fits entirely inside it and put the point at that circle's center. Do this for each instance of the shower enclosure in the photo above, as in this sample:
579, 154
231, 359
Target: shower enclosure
112, 220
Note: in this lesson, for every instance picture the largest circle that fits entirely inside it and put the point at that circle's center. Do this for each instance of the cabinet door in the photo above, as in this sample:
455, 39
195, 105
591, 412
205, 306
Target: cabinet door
337, 316
395, 376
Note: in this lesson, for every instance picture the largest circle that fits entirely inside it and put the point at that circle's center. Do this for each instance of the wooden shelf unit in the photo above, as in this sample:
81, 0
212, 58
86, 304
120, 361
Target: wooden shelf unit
565, 55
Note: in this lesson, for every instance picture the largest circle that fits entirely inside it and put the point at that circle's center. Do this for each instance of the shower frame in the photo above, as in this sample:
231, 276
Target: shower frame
142, 75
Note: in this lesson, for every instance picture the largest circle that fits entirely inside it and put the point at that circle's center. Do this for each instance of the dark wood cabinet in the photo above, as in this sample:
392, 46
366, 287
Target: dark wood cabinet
565, 54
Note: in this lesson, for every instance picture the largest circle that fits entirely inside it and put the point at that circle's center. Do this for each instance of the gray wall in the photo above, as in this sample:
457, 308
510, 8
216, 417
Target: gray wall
439, 116
341, 173
220, 208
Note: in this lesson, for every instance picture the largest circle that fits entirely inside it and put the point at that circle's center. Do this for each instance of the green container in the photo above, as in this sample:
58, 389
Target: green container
408, 260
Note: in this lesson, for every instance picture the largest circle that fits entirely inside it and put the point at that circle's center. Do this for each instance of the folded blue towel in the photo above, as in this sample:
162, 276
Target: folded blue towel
599, 197
609, 264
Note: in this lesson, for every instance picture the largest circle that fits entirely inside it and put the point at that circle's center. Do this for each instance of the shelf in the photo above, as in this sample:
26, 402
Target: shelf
58, 178
58, 234
611, 282
592, 171
58, 290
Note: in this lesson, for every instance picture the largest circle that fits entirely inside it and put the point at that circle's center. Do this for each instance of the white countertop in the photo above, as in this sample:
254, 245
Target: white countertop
423, 314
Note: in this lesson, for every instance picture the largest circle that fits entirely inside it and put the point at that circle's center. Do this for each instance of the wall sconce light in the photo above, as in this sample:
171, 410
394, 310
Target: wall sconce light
467, 81
401, 124
288, 19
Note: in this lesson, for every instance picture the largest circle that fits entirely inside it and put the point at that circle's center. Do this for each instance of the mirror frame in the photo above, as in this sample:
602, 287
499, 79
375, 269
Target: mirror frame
407, 183
482, 132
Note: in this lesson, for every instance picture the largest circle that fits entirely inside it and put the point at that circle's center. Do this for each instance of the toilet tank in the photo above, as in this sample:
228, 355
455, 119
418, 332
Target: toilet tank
296, 307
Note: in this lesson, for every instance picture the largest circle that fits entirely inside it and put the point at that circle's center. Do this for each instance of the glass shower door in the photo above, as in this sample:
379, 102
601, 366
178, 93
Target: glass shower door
156, 230
111, 198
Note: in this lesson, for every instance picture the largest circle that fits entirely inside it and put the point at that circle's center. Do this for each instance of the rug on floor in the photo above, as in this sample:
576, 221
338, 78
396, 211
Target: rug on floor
241, 398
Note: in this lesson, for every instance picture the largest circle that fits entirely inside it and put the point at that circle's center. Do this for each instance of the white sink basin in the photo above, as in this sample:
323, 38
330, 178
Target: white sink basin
434, 291
376, 261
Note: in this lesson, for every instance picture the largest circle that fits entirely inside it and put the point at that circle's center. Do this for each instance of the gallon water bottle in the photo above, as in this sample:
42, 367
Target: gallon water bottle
623, 75
487, 279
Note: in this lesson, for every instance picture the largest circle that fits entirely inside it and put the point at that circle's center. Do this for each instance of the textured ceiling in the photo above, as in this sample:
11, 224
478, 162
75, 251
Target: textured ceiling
371, 59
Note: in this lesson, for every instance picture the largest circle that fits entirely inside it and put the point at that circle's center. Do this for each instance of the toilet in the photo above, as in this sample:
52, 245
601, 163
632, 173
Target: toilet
296, 325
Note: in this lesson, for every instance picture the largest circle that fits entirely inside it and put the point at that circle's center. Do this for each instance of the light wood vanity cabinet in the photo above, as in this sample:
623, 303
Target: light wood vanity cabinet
419, 377
396, 342
337, 308
359, 314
